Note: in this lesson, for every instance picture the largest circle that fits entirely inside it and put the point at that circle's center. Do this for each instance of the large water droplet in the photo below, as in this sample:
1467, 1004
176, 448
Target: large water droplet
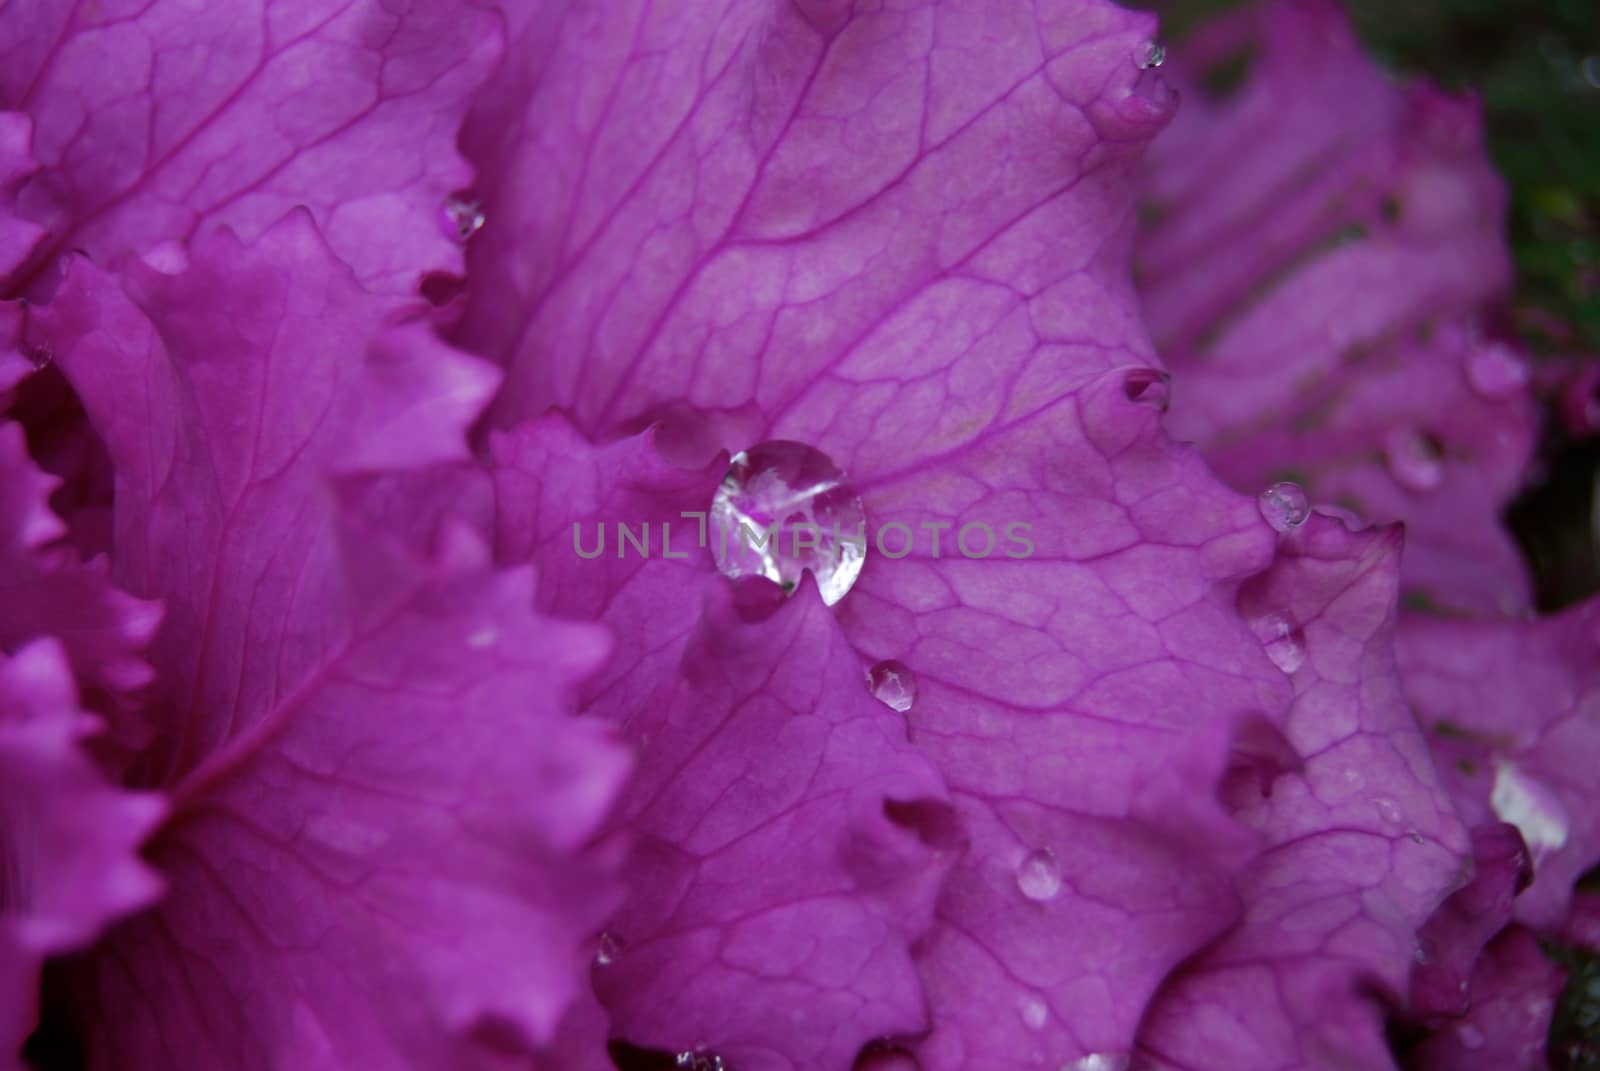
1530, 806
783, 509
1033, 1011
1281, 640
698, 1060
1496, 372
462, 216
1039, 875
1284, 505
893, 685
1155, 54
1415, 460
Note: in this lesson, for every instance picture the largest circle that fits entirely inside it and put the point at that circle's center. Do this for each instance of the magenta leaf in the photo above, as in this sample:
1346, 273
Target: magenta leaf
900, 237
17, 235
1323, 248
790, 845
1362, 844
47, 590
69, 840
17, 240
155, 119
1082, 703
1514, 990
725, 208
1453, 939
378, 852
788, 841
1512, 704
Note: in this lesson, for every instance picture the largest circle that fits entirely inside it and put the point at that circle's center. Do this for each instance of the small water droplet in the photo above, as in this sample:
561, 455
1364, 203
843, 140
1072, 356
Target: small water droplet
698, 1060
38, 356
1388, 810
1532, 807
1033, 1011
1155, 54
1471, 1037
784, 509
1415, 460
1496, 372
1039, 875
462, 217
1284, 505
1148, 386
606, 949
893, 685
1281, 640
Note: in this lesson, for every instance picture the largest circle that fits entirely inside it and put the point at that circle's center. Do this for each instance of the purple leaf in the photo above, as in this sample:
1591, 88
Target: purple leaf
1512, 705
1323, 247
17, 239
1362, 843
1454, 938
1514, 990
69, 840
378, 851
46, 590
153, 120
746, 209
788, 840
17, 235
900, 237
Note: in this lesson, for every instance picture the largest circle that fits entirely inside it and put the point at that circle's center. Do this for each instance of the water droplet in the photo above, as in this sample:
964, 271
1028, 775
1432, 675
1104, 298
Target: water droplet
1155, 54
783, 509
1039, 875
1098, 1061
893, 685
698, 1060
1284, 505
1281, 640
462, 216
606, 949
1148, 386
1034, 1013
1471, 1037
1388, 810
38, 356
1415, 460
1530, 806
1496, 372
